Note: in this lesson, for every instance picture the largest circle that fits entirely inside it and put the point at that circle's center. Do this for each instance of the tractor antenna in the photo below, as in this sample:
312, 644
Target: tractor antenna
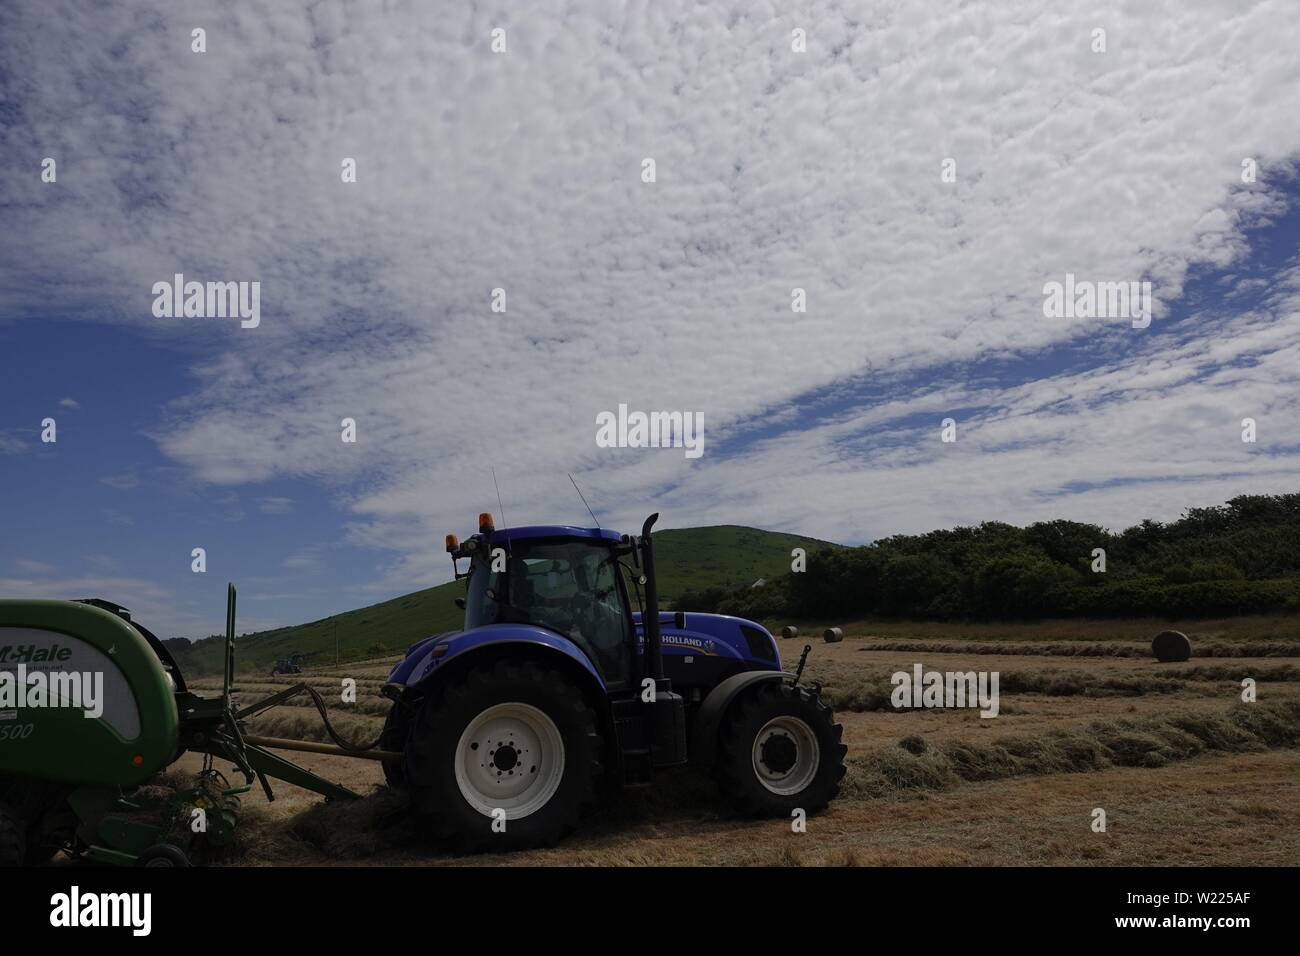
504, 526
584, 500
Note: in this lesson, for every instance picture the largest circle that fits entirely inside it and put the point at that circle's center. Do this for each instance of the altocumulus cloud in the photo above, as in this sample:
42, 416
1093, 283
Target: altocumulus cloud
775, 170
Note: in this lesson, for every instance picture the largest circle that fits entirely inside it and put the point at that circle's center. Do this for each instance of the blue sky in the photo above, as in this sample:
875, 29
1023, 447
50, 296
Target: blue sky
522, 170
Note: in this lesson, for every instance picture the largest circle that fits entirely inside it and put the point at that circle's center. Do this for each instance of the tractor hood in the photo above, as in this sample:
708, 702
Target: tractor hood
715, 635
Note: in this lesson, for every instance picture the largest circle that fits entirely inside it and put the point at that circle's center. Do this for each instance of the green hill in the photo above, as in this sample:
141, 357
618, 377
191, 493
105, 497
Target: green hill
723, 556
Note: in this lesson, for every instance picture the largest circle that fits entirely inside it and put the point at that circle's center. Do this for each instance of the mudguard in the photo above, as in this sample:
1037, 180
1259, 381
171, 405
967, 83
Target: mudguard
427, 657
704, 734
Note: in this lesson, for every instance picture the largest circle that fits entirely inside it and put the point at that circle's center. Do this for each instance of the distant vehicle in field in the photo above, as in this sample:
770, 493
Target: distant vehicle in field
291, 664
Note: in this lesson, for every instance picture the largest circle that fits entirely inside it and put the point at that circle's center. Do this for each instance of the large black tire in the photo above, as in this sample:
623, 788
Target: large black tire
393, 738
13, 840
49, 823
39, 854
431, 752
769, 734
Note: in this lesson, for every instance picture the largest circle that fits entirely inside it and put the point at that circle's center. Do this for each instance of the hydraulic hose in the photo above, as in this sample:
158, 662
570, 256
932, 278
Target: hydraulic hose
285, 695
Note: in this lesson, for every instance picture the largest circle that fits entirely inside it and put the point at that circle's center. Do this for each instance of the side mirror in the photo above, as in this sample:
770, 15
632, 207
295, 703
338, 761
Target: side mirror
460, 603
679, 620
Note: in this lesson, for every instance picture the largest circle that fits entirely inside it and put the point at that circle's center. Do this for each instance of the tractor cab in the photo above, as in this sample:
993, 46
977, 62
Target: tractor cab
563, 579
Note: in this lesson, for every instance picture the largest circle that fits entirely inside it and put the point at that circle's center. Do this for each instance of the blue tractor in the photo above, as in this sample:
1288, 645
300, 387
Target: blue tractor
291, 664
557, 685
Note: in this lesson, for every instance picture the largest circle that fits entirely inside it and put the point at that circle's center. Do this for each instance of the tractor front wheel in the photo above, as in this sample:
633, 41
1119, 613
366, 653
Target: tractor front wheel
505, 759
779, 751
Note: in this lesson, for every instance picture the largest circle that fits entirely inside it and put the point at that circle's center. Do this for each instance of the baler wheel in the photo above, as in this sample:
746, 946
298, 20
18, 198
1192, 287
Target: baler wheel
163, 854
13, 841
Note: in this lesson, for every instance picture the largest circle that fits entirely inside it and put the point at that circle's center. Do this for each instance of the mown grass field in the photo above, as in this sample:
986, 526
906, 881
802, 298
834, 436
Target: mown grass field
1186, 772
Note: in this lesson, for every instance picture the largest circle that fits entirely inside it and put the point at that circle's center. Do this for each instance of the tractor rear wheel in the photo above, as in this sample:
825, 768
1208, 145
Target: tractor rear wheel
504, 759
779, 751
392, 739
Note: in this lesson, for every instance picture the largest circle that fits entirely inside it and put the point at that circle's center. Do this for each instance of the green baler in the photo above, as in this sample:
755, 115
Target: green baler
68, 773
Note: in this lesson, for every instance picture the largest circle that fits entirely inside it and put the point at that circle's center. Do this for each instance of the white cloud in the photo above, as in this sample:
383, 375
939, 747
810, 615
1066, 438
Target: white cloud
309, 559
153, 606
69, 403
28, 566
122, 482
275, 506
775, 170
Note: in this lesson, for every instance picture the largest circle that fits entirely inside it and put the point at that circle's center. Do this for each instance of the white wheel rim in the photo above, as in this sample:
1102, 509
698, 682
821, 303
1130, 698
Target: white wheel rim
511, 758
786, 755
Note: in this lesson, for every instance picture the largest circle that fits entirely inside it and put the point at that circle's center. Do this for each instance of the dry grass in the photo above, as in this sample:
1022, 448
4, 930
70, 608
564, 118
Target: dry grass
845, 692
1087, 649
1151, 742
1187, 773
1283, 628
301, 723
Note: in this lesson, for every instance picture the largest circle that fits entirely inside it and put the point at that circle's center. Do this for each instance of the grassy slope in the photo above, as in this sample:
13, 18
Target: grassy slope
724, 555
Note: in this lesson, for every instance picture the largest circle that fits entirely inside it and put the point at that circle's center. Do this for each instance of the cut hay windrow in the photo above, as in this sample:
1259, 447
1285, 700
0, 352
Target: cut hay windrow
874, 692
317, 678
373, 705
328, 689
1086, 648
1152, 742
301, 723
318, 681
1238, 672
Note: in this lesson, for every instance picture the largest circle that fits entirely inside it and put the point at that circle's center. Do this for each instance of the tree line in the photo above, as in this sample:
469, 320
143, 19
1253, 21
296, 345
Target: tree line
1242, 557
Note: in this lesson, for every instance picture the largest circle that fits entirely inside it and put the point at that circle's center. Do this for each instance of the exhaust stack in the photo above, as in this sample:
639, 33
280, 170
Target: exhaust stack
653, 643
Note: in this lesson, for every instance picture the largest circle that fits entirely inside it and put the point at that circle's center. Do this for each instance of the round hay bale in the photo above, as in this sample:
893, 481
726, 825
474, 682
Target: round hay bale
1171, 646
832, 635
789, 631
